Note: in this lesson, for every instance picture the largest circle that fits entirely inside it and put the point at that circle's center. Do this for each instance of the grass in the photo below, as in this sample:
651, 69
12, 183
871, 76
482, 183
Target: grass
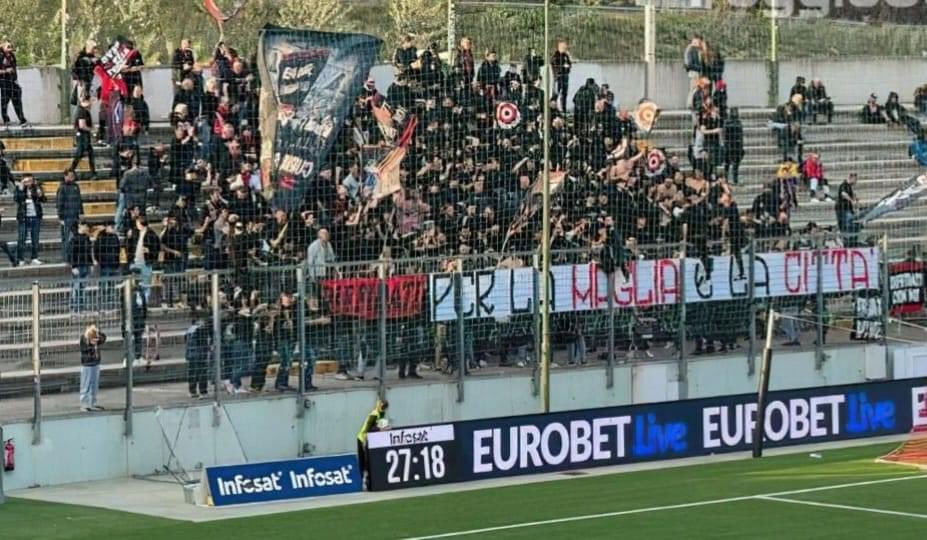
468, 510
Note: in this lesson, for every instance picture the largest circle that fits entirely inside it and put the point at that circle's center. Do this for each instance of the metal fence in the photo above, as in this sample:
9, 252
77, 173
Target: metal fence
224, 335
615, 32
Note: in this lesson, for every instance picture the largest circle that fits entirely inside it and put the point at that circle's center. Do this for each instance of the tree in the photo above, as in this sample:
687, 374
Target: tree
328, 15
33, 27
425, 19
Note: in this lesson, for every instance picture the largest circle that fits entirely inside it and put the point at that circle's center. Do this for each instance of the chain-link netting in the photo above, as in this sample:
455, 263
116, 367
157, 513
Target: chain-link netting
407, 195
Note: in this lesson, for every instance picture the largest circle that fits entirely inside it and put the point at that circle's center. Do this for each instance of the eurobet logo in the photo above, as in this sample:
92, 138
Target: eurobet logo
815, 8
919, 407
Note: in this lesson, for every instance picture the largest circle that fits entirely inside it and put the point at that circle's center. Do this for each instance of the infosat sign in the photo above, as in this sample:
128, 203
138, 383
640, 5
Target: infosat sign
518, 445
282, 480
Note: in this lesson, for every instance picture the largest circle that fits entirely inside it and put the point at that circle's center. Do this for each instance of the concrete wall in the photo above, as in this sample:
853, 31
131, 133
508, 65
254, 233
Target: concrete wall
848, 82
93, 447
720, 376
43, 89
159, 92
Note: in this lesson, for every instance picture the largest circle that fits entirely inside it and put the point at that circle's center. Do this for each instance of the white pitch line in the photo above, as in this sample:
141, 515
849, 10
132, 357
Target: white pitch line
844, 507
583, 518
841, 486
663, 508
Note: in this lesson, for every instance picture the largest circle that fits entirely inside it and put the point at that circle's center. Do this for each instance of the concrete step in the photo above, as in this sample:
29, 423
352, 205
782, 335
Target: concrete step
842, 167
112, 375
100, 154
87, 187
866, 187
38, 143
67, 131
100, 209
50, 218
47, 164
61, 352
845, 114
752, 134
82, 173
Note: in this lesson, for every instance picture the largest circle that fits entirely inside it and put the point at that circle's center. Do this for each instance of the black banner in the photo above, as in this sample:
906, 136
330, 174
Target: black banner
867, 321
906, 284
309, 81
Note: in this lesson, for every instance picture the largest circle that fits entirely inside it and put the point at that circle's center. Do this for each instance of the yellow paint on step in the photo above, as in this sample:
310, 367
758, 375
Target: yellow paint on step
39, 143
87, 187
48, 165
99, 209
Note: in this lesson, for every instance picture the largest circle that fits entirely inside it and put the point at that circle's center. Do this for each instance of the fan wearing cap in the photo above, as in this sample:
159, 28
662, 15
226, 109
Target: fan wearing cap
375, 421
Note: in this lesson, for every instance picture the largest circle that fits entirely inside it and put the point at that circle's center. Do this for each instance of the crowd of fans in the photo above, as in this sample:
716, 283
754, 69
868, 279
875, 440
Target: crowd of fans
468, 185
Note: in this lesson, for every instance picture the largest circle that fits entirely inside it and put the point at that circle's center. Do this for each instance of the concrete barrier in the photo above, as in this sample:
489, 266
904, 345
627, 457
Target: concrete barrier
43, 93
93, 447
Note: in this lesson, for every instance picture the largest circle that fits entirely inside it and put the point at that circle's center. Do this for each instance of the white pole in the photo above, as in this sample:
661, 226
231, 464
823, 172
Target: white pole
545, 218
64, 34
451, 30
650, 48
773, 32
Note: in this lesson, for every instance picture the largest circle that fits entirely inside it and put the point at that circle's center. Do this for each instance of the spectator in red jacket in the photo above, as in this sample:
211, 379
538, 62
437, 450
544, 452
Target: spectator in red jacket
812, 172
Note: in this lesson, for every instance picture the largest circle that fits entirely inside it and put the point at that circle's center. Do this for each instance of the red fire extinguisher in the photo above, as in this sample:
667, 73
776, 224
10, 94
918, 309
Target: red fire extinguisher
9, 455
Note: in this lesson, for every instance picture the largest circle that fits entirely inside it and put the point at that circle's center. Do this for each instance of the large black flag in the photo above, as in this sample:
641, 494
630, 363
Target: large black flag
309, 81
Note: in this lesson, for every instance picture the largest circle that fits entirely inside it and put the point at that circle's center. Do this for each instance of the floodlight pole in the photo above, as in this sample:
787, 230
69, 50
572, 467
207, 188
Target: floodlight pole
650, 49
451, 30
759, 431
773, 32
773, 66
64, 33
545, 230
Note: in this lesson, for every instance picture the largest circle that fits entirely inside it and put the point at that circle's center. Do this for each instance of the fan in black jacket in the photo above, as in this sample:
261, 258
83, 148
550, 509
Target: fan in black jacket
733, 145
80, 257
561, 64
28, 198
106, 251
5, 247
90, 358
9, 85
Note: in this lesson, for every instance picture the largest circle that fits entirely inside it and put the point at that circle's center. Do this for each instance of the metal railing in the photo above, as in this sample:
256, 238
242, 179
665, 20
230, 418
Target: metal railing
226, 334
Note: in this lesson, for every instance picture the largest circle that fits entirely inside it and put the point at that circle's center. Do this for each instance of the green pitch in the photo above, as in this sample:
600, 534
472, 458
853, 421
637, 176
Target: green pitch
842, 494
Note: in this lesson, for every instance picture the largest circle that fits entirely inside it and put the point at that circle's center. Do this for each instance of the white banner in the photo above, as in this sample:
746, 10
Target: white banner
409, 436
579, 287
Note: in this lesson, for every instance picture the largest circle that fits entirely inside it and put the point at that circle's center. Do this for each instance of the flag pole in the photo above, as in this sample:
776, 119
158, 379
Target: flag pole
545, 231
